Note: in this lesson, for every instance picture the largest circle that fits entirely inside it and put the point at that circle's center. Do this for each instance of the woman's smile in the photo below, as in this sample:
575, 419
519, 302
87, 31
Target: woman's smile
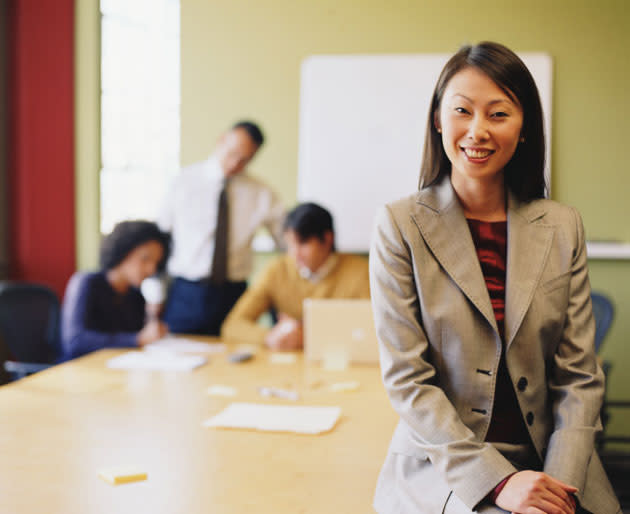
477, 155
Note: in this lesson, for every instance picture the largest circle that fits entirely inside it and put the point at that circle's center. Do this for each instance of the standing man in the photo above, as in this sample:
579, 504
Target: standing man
213, 211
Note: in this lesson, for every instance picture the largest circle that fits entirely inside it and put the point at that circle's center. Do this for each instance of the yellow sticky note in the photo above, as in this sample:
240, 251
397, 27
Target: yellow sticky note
122, 475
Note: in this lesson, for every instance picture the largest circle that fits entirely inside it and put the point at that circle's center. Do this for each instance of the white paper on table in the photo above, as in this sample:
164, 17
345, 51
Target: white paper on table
276, 418
221, 390
283, 358
156, 361
183, 345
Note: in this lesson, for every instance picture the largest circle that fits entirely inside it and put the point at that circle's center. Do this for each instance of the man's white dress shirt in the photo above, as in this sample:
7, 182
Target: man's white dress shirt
190, 215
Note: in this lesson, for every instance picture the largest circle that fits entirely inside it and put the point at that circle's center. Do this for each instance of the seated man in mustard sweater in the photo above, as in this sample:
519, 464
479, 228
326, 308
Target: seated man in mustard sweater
311, 269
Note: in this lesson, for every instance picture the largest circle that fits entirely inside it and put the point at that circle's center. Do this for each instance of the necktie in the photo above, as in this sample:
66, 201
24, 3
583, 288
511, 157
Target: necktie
218, 273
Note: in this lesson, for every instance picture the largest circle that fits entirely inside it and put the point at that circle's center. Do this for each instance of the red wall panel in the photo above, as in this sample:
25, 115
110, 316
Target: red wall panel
41, 141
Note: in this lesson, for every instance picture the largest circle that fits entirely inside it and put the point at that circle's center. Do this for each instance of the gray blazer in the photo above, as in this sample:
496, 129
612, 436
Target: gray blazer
440, 349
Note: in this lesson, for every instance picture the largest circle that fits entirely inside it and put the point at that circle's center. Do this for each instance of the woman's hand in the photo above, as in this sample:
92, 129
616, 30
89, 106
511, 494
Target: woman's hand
534, 492
152, 331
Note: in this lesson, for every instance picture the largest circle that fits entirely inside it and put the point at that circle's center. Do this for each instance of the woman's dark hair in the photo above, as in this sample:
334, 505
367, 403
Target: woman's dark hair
252, 129
524, 173
128, 235
309, 220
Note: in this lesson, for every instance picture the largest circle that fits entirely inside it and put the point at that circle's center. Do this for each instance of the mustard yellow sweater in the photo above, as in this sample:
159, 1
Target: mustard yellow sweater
280, 286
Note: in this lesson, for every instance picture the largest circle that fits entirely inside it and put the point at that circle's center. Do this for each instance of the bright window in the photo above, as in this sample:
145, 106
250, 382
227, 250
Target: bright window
140, 99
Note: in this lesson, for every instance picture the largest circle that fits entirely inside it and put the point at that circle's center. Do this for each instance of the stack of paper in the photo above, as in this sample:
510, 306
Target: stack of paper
156, 361
182, 345
276, 418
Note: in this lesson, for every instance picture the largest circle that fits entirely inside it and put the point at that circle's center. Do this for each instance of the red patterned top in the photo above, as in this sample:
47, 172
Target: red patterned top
490, 238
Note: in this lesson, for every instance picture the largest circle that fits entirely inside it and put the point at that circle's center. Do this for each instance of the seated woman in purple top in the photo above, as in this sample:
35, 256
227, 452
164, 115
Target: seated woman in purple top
105, 309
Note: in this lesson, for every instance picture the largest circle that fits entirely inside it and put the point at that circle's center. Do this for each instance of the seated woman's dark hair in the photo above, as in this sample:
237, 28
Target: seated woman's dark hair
525, 173
128, 235
309, 220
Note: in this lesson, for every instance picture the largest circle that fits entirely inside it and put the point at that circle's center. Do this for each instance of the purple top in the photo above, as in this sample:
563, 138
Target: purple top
95, 316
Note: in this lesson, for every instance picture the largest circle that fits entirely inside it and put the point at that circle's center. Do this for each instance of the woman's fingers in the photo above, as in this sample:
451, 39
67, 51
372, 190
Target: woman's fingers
529, 491
562, 502
561, 491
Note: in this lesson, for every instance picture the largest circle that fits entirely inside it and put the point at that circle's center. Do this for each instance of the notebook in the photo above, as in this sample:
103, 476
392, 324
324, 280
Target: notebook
340, 330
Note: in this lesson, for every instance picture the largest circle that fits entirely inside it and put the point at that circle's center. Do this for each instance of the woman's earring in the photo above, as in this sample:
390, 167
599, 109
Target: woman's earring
522, 139
439, 130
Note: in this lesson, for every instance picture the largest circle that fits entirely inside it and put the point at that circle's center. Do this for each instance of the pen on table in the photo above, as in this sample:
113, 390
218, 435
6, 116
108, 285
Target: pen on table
278, 393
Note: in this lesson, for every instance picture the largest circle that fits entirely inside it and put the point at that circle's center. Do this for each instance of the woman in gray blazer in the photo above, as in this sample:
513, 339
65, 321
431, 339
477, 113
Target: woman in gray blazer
482, 308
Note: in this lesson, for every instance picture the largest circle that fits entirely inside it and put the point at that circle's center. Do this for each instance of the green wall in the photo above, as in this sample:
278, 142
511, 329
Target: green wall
242, 59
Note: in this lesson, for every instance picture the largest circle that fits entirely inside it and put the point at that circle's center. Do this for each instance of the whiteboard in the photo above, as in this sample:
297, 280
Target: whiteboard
362, 124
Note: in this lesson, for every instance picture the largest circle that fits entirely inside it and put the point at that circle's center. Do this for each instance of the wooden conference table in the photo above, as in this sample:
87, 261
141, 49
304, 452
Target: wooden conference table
62, 426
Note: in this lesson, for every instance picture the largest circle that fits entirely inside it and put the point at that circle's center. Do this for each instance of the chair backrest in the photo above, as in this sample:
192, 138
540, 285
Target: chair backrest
604, 312
29, 321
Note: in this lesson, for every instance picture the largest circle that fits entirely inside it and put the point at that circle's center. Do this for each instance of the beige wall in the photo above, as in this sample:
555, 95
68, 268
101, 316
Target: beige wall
87, 148
242, 59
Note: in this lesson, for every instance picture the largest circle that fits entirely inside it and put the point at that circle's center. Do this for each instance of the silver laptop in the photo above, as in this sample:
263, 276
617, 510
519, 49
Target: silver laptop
339, 329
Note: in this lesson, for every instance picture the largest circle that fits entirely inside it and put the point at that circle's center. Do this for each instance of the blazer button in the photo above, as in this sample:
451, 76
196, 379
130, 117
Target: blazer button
530, 418
522, 384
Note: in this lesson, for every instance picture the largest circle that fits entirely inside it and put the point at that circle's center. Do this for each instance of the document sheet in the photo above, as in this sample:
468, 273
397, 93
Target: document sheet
276, 418
156, 361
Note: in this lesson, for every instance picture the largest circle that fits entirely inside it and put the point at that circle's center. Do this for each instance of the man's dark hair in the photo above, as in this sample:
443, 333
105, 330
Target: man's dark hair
524, 173
128, 235
309, 220
253, 131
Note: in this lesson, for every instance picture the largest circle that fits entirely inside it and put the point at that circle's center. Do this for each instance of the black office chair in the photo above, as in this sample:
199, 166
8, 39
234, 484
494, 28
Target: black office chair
616, 461
29, 327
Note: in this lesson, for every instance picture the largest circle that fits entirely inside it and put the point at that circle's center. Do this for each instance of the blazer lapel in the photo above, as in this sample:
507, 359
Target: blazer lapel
443, 226
528, 248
